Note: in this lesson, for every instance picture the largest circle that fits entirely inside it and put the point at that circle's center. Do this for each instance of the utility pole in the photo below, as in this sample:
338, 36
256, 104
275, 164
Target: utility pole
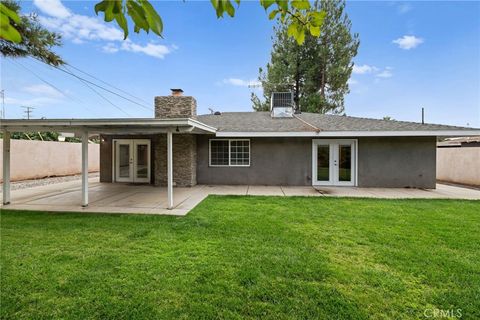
28, 112
2, 94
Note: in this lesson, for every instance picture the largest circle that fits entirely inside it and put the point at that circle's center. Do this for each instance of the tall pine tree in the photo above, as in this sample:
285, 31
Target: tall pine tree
317, 72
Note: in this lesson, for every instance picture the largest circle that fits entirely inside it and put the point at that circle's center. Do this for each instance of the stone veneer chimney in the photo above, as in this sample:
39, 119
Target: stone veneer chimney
184, 144
175, 106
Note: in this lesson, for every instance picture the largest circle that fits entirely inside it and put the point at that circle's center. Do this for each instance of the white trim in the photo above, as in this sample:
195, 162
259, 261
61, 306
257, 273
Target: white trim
85, 169
103, 125
137, 142
201, 125
356, 162
132, 143
114, 141
424, 133
6, 167
170, 170
229, 153
118, 143
333, 155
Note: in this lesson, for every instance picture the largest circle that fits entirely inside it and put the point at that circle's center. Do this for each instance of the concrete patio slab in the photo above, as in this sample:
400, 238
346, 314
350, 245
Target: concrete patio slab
300, 191
441, 192
240, 190
265, 191
148, 199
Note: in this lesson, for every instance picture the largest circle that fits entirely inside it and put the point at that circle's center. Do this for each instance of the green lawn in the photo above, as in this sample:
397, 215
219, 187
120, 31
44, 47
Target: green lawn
246, 257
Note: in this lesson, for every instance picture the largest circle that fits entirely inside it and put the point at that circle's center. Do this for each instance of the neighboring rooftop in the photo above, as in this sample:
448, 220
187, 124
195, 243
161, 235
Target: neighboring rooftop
305, 122
460, 142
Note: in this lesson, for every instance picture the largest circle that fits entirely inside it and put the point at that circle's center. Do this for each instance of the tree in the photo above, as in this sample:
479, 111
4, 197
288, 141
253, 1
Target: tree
35, 40
316, 72
297, 14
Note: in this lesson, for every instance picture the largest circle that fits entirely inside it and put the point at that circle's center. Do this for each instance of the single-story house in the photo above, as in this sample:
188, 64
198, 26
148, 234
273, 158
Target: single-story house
180, 148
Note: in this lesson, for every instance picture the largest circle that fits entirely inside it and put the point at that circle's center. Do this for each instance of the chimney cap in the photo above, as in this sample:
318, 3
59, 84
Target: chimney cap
174, 90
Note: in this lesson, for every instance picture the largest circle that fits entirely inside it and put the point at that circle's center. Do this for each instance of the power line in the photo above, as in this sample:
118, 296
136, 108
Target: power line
101, 87
103, 97
36, 75
104, 82
18, 63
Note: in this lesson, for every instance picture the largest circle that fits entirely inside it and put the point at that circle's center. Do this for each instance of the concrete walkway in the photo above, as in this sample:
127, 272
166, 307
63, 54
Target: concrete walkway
147, 199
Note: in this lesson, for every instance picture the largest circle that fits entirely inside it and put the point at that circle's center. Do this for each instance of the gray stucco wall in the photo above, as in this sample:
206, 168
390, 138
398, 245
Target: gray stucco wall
397, 162
382, 162
273, 161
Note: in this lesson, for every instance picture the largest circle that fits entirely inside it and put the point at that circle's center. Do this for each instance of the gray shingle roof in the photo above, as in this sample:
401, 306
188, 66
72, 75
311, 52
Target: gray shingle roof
263, 122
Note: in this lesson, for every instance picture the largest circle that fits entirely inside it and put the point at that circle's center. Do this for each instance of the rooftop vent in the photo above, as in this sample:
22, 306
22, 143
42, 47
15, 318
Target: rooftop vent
281, 105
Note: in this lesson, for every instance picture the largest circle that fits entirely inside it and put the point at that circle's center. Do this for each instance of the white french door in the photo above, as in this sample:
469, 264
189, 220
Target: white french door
334, 162
131, 160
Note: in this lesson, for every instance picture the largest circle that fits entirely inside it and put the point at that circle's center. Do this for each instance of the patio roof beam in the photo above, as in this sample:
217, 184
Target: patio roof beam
6, 167
95, 130
84, 169
118, 126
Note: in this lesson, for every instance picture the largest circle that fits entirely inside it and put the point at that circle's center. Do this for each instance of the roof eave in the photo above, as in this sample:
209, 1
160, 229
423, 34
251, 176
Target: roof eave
108, 125
410, 133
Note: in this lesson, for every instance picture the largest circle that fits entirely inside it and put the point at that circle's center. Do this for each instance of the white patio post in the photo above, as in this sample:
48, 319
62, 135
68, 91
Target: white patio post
84, 169
6, 167
170, 170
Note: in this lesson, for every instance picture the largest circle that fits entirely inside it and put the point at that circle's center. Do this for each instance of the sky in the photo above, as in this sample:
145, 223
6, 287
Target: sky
411, 55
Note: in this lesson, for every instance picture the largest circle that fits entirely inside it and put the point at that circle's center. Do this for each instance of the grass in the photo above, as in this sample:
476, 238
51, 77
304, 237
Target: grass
246, 257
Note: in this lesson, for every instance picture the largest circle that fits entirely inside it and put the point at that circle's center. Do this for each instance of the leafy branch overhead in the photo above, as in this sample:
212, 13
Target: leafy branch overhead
9, 22
141, 12
299, 15
24, 36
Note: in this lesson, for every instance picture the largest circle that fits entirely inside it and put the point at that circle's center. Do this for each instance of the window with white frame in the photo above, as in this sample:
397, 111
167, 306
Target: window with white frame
230, 152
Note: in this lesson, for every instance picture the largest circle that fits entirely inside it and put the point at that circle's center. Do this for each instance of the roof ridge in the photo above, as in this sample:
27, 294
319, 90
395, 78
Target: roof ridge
383, 120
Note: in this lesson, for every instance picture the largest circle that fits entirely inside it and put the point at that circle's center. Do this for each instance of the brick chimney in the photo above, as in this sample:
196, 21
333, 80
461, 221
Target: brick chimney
175, 106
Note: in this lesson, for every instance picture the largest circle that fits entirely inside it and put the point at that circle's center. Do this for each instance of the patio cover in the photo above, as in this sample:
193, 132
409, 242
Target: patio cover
87, 127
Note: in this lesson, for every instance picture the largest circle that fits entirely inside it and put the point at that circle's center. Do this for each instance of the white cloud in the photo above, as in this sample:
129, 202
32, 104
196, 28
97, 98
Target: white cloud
368, 69
408, 42
386, 73
82, 28
53, 8
110, 48
363, 69
79, 28
154, 50
44, 90
404, 8
242, 83
150, 49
